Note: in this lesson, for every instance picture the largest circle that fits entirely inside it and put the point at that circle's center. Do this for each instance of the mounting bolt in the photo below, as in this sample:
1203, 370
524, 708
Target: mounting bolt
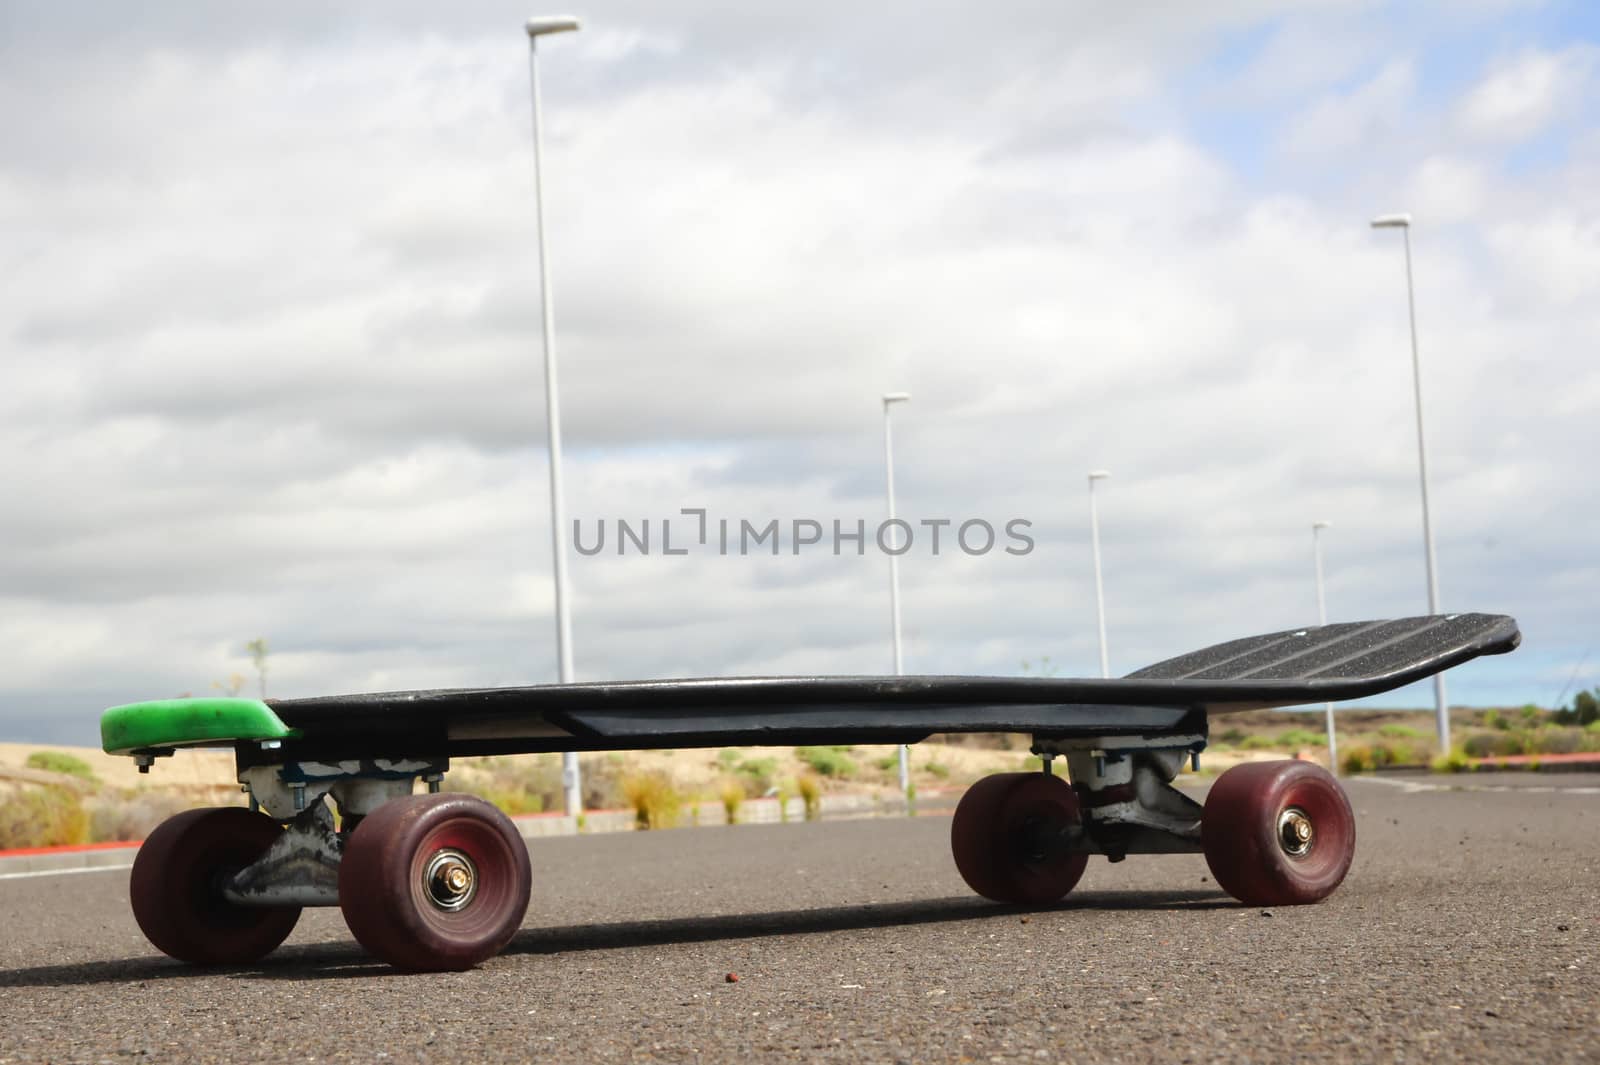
143, 761
1047, 759
433, 781
1194, 760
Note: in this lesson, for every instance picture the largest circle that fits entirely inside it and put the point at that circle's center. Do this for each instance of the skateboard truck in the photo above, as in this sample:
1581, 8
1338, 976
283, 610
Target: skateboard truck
301, 868
1125, 794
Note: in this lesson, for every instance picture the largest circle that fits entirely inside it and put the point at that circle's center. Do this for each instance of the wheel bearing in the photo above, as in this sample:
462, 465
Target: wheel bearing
450, 880
1296, 834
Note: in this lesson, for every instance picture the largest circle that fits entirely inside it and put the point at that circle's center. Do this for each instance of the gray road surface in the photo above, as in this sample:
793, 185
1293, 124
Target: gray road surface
1468, 930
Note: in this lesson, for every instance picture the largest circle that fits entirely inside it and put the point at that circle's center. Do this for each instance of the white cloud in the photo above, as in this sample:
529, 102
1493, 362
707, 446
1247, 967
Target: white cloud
1360, 118
1452, 189
1522, 94
1553, 259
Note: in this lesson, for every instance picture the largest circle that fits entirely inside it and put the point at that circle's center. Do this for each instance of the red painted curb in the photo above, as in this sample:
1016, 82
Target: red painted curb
26, 852
1517, 761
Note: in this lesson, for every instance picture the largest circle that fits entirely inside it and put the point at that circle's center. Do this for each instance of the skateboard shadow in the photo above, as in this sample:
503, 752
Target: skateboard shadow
345, 960
679, 930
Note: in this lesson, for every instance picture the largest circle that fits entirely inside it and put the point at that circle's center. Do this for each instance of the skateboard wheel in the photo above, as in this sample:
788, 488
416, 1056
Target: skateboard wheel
176, 888
1278, 833
1004, 838
434, 882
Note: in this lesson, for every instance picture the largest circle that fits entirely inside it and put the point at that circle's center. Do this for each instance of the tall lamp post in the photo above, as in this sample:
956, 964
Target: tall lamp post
1322, 619
889, 400
1402, 222
1099, 587
570, 781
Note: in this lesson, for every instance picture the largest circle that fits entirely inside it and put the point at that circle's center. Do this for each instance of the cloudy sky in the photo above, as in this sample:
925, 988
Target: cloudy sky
270, 360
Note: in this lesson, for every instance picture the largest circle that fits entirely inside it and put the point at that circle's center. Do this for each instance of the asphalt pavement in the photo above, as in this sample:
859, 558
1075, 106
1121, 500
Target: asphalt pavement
1468, 930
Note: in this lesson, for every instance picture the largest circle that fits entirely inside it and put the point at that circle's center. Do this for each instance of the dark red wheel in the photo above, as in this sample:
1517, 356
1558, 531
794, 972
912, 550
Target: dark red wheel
1006, 838
176, 888
434, 882
1278, 833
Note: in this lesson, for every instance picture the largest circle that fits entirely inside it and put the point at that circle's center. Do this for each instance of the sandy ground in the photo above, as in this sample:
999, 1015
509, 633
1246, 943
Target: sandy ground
185, 771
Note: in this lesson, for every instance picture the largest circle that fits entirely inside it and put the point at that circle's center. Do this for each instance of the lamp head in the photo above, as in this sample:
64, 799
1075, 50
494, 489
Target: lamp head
1098, 475
1392, 221
537, 27
896, 397
1321, 525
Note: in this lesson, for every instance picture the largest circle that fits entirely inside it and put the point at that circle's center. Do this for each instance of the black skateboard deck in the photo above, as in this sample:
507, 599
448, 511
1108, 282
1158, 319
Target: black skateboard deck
1296, 666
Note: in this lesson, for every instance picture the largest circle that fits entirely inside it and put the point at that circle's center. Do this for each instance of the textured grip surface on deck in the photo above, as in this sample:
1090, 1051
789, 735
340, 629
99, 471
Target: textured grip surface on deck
1352, 651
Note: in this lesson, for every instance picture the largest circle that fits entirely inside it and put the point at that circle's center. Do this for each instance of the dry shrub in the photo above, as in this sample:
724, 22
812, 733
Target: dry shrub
132, 815
810, 786
604, 783
517, 785
653, 799
731, 793
42, 817
1357, 760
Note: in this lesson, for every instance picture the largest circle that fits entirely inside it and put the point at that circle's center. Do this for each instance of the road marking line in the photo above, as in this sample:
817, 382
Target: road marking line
1532, 789
65, 872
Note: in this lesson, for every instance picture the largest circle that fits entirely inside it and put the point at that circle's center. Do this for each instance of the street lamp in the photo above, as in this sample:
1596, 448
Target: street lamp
1402, 222
1322, 619
889, 400
570, 782
1099, 587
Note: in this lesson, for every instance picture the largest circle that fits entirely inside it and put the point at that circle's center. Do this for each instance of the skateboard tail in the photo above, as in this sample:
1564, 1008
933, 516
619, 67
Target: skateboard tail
188, 722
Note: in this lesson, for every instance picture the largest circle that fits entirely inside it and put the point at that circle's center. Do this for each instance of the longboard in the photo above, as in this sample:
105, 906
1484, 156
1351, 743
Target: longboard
441, 881
1295, 666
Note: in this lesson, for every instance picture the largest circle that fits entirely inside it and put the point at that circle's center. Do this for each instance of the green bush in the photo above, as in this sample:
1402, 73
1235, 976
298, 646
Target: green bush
1259, 743
1555, 740
758, 774
827, 761
1031, 764
1454, 762
728, 758
1494, 719
42, 817
1296, 738
938, 770
1230, 736
1494, 744
888, 763
1400, 732
61, 762
1585, 710
1394, 752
